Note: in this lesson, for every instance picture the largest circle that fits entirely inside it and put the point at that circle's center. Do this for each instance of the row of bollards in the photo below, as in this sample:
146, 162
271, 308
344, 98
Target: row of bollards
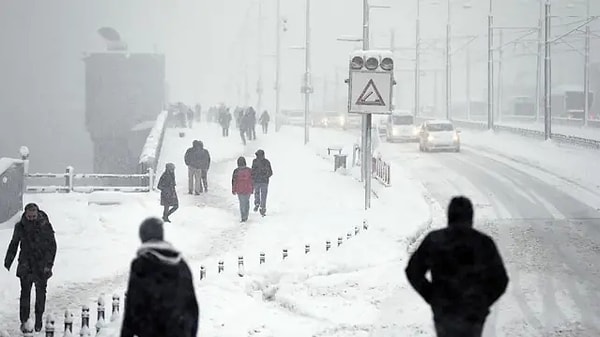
262, 256
85, 331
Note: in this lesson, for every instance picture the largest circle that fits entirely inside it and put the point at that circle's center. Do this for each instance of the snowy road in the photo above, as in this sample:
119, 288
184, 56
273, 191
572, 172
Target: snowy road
548, 236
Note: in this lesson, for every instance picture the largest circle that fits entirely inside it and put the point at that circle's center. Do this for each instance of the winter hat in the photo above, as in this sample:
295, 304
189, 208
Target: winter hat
260, 154
151, 229
460, 212
241, 162
195, 143
170, 167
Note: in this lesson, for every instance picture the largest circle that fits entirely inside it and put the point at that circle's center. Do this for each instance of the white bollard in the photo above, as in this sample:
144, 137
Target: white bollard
327, 245
306, 249
340, 240
356, 230
348, 236
85, 316
50, 328
28, 328
115, 307
241, 271
262, 258
202, 272
101, 321
365, 224
285, 254
221, 267
68, 324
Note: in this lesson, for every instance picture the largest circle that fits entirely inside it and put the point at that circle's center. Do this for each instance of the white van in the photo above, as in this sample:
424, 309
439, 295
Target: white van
401, 127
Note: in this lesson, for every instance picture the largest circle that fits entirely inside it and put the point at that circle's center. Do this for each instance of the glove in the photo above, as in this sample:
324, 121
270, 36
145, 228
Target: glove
47, 272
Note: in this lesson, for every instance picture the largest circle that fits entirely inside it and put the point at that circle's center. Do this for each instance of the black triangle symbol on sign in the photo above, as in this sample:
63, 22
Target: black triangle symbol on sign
370, 96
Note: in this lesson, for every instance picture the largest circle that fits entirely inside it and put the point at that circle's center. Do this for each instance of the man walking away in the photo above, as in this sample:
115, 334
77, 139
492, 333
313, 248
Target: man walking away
244, 127
264, 121
204, 164
225, 121
168, 194
161, 301
261, 174
467, 273
192, 160
242, 186
35, 235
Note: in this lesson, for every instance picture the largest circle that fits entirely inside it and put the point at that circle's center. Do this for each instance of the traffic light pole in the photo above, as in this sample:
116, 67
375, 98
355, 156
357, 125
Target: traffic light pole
367, 120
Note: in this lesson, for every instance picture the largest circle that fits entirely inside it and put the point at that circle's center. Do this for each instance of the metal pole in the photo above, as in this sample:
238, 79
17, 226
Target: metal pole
586, 74
547, 74
490, 75
367, 118
468, 83
307, 74
259, 82
418, 60
278, 68
448, 71
500, 82
538, 82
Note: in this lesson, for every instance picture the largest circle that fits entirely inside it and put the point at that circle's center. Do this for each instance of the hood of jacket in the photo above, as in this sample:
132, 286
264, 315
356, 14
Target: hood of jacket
161, 252
42, 218
260, 154
241, 162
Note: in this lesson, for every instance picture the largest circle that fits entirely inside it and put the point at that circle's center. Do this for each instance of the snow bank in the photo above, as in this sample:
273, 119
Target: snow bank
151, 149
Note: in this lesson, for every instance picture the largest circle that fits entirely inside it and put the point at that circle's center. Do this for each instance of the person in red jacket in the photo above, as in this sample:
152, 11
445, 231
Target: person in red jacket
242, 186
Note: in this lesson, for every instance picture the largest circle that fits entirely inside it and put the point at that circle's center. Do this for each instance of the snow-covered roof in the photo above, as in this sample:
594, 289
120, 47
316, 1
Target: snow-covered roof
6, 163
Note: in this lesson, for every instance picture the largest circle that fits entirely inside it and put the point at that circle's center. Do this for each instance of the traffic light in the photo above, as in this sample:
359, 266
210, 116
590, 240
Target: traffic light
372, 60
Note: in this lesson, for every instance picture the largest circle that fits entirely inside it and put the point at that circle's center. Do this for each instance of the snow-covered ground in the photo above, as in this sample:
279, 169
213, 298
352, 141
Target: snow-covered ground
582, 132
347, 291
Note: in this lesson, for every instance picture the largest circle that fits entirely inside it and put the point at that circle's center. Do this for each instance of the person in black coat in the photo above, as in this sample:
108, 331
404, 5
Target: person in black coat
160, 301
467, 273
35, 235
251, 123
264, 121
192, 160
168, 194
261, 174
204, 165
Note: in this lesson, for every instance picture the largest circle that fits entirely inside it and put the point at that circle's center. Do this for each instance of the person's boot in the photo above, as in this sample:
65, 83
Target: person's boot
38, 322
263, 211
256, 207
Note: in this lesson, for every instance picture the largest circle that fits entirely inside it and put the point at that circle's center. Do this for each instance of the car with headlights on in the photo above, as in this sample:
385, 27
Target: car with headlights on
439, 135
401, 127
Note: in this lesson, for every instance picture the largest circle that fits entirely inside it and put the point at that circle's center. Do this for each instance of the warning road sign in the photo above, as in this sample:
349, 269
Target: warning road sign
370, 96
370, 92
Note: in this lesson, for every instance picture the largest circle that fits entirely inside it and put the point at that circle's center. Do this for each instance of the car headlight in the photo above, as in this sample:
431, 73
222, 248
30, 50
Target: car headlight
415, 131
430, 138
455, 137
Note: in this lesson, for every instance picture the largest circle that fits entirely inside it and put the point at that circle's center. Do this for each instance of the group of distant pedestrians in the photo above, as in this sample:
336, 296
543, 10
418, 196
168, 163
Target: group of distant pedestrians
245, 121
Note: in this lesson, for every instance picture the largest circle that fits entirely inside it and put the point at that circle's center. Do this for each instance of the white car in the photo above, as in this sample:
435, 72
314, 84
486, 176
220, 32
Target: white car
401, 128
439, 135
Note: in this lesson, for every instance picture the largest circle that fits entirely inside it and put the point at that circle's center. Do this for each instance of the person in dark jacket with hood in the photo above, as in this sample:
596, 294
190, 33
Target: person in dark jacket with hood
244, 127
160, 301
467, 273
168, 194
251, 123
261, 174
225, 121
35, 235
242, 186
192, 160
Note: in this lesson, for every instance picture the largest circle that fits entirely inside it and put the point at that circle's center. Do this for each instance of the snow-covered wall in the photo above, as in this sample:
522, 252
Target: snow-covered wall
151, 150
11, 188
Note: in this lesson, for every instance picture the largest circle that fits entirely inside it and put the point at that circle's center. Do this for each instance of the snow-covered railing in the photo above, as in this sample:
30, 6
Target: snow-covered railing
241, 271
558, 137
382, 171
151, 151
70, 178
101, 328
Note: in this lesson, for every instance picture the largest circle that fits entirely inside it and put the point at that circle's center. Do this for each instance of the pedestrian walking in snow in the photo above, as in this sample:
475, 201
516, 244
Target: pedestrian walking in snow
168, 194
35, 236
244, 127
161, 301
242, 186
467, 273
251, 123
204, 163
261, 174
192, 160
225, 121
264, 121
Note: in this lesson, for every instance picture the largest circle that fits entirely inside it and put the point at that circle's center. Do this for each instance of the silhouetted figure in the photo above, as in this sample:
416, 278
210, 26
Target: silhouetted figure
264, 121
242, 186
160, 301
261, 174
467, 273
168, 194
35, 236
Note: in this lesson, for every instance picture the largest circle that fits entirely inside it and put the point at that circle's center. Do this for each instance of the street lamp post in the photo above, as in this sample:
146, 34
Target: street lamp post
418, 60
586, 74
307, 74
490, 75
448, 64
278, 68
547, 73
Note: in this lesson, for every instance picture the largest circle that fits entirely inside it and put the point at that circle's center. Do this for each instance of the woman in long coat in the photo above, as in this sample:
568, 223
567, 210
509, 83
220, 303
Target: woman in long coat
168, 195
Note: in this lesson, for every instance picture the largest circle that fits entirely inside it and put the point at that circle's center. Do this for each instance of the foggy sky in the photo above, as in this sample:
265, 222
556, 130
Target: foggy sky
212, 46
